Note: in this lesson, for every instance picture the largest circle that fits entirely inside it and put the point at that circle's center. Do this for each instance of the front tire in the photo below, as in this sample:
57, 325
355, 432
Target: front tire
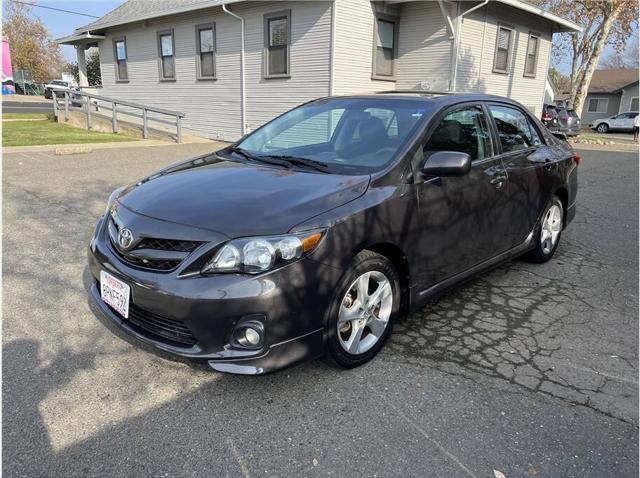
603, 128
364, 306
548, 232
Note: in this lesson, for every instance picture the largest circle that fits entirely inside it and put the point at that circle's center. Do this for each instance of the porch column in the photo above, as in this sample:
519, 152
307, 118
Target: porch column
82, 66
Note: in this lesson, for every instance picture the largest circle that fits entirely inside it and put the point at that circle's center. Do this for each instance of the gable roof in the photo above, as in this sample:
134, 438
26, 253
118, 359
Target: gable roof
137, 10
612, 81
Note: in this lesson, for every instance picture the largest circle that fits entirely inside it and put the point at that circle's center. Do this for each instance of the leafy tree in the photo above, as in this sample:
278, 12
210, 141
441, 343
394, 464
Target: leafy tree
559, 80
32, 47
93, 68
604, 22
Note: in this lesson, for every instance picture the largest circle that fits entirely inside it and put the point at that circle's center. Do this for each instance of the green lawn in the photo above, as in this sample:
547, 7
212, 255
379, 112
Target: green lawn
42, 116
28, 133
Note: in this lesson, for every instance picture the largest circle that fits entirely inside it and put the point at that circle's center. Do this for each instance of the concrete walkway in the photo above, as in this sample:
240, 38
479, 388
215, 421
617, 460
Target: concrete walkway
89, 147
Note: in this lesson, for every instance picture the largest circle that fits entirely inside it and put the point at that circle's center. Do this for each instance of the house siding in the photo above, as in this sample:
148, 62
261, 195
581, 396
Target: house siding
612, 109
212, 107
424, 56
476, 55
353, 48
627, 95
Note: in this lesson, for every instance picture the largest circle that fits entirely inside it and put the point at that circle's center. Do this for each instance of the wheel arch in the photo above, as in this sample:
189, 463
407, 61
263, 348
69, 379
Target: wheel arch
563, 194
399, 259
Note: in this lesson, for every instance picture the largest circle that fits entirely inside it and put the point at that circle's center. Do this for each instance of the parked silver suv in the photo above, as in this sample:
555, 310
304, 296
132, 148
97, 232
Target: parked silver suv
620, 122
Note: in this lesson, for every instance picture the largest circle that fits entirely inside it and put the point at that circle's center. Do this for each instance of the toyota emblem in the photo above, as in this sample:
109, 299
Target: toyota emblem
125, 238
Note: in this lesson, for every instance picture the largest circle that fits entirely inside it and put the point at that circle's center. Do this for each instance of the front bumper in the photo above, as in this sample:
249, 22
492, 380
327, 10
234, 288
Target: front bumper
289, 301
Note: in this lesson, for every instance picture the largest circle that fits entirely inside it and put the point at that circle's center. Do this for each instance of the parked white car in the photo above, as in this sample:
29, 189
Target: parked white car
57, 85
620, 122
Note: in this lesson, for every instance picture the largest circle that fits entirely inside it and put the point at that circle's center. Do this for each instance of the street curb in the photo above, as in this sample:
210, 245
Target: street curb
72, 150
617, 148
94, 146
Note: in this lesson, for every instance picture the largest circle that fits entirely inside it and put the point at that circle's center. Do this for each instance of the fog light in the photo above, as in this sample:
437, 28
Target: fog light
251, 336
249, 333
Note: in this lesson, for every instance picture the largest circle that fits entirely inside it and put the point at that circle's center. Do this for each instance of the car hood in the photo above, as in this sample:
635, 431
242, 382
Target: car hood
237, 198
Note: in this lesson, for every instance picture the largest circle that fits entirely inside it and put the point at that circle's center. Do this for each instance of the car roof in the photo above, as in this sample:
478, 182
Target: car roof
438, 99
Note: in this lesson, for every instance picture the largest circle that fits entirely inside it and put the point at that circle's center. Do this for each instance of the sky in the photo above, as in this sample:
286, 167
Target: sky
61, 24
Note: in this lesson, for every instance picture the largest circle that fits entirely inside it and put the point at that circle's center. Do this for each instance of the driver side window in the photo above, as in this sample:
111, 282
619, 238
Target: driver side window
463, 130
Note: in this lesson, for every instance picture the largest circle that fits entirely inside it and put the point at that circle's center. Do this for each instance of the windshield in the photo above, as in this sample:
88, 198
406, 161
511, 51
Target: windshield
348, 135
58, 82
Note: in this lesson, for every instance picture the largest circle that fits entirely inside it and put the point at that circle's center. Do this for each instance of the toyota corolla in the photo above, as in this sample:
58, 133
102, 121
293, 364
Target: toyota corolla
311, 235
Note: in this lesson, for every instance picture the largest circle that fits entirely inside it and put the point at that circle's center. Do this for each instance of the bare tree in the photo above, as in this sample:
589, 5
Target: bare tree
622, 59
604, 22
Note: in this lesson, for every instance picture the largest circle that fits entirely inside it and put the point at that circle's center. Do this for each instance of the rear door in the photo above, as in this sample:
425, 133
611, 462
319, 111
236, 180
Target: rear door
527, 161
460, 218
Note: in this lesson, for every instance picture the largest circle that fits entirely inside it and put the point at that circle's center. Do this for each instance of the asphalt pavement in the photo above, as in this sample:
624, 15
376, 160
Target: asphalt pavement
27, 107
530, 370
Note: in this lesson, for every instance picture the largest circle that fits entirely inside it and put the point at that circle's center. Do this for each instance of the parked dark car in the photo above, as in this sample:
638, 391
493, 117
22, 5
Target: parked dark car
550, 117
568, 122
314, 232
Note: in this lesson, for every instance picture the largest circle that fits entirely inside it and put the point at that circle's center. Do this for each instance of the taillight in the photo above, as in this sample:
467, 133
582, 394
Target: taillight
546, 117
577, 159
563, 117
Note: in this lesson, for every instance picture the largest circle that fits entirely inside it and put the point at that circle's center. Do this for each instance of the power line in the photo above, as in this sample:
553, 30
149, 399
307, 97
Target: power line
53, 8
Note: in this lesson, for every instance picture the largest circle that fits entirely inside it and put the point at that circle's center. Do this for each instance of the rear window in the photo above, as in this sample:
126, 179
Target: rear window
552, 110
572, 113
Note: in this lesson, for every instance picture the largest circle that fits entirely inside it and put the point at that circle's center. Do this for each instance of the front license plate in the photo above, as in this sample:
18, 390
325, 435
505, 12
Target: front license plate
115, 293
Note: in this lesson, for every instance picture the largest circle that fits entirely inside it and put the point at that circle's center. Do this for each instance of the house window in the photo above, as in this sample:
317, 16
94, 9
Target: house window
504, 41
277, 42
166, 52
120, 58
385, 47
634, 104
598, 105
531, 61
205, 49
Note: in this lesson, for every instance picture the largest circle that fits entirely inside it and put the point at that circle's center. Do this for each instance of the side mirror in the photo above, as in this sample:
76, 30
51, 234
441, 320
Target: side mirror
559, 135
446, 163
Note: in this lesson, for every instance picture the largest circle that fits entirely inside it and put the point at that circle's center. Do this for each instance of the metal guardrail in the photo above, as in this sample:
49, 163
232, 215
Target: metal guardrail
86, 102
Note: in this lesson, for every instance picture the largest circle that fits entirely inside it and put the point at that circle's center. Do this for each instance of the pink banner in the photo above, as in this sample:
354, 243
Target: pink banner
7, 70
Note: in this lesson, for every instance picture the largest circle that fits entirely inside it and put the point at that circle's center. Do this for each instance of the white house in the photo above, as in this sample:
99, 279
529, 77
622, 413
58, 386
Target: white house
231, 65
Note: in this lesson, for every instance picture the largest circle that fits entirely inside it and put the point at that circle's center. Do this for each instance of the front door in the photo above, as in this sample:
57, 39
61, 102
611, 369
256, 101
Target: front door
461, 218
529, 163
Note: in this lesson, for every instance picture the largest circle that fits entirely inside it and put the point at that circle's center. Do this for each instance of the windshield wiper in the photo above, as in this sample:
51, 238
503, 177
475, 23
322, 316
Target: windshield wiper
303, 162
242, 152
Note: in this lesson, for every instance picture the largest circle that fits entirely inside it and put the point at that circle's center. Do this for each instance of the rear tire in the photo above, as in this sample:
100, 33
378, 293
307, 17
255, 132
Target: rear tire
360, 318
603, 128
548, 232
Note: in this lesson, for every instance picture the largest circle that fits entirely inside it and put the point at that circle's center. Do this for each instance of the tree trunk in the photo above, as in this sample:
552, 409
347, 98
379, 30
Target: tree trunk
583, 85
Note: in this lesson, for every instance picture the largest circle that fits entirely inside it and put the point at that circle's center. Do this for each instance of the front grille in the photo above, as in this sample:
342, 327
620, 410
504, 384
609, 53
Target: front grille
173, 247
167, 245
172, 330
159, 265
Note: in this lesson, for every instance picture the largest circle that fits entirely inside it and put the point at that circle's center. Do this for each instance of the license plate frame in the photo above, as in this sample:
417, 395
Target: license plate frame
115, 293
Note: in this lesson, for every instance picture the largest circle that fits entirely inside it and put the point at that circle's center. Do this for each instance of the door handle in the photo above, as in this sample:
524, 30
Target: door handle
548, 164
497, 182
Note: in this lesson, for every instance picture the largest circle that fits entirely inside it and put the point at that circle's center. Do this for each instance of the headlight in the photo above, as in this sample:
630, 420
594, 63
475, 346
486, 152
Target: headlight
253, 255
112, 198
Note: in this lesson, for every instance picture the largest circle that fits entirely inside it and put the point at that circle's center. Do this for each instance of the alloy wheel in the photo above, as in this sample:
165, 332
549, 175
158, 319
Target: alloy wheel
551, 227
364, 312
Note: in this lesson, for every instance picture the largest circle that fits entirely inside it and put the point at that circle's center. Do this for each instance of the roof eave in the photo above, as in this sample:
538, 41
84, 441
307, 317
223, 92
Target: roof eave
77, 39
563, 26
